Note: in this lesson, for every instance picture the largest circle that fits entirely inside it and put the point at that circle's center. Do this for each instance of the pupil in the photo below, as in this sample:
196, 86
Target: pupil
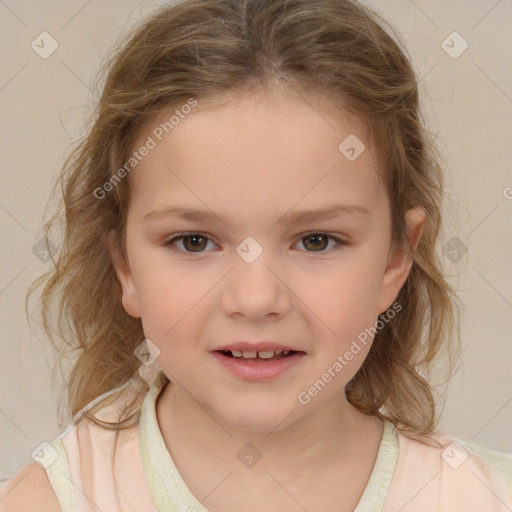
316, 237
194, 238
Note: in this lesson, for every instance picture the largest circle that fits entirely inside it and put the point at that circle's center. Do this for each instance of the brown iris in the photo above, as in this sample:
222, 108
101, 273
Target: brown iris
197, 241
314, 239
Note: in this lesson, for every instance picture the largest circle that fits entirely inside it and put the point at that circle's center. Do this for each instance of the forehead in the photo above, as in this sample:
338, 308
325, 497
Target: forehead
253, 151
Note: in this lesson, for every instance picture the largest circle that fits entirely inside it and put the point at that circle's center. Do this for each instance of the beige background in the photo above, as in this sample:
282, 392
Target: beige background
467, 99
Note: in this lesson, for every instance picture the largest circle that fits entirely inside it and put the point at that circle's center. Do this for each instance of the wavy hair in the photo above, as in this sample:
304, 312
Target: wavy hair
210, 50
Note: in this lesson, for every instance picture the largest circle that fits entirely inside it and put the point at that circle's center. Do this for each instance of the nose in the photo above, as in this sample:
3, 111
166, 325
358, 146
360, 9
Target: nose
256, 287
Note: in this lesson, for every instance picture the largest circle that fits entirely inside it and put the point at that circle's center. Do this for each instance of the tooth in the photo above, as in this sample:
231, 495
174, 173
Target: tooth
249, 355
236, 353
266, 355
286, 352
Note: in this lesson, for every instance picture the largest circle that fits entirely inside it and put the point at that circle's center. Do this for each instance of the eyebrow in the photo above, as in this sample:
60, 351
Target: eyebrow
331, 212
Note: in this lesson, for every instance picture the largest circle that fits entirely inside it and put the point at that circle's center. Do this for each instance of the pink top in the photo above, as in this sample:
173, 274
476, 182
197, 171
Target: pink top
132, 470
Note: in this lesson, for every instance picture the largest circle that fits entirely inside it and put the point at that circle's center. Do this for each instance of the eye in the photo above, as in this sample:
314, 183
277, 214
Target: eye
193, 241
197, 242
319, 241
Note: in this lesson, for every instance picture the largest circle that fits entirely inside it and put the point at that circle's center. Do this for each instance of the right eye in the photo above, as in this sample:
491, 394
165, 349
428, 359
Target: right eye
191, 241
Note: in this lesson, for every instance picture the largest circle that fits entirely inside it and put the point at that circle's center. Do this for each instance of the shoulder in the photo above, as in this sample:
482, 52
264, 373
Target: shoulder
29, 491
500, 461
457, 472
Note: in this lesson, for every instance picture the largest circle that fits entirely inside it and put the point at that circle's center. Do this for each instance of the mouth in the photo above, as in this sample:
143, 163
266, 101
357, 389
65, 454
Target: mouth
258, 366
260, 356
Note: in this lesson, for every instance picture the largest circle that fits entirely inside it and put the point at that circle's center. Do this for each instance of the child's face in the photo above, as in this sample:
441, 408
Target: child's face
252, 162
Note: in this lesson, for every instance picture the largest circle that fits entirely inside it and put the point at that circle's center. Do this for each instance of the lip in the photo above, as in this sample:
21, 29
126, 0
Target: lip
258, 371
261, 346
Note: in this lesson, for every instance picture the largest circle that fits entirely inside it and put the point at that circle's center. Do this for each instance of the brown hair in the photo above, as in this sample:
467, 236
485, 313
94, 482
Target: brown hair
207, 49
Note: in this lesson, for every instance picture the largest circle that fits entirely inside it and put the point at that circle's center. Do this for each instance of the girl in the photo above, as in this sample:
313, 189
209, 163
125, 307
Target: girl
249, 276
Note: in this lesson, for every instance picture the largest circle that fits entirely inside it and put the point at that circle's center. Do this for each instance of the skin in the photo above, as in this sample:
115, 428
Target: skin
252, 160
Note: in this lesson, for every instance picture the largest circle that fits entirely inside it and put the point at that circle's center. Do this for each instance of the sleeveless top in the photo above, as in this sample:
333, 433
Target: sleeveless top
91, 468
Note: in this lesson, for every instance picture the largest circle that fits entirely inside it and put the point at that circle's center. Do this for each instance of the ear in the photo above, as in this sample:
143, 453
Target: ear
400, 262
130, 297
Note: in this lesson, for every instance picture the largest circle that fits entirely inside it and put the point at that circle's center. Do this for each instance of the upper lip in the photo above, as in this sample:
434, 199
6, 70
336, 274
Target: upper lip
261, 346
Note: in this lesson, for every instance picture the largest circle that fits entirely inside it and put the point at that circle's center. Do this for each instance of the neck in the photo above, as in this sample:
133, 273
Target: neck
332, 433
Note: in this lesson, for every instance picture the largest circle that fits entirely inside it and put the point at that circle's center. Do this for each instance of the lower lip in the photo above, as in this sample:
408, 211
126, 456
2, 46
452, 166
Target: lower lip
258, 371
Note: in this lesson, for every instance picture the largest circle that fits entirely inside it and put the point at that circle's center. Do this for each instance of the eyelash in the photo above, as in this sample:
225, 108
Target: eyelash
180, 236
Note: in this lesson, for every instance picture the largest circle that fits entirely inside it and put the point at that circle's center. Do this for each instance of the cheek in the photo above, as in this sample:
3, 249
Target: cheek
164, 286
175, 307
342, 302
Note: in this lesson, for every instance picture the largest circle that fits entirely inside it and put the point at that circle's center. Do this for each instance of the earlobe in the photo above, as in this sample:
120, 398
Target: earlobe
400, 262
129, 295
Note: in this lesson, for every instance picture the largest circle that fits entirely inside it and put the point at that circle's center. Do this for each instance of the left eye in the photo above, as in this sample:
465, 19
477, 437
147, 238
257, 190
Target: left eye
318, 241
196, 242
